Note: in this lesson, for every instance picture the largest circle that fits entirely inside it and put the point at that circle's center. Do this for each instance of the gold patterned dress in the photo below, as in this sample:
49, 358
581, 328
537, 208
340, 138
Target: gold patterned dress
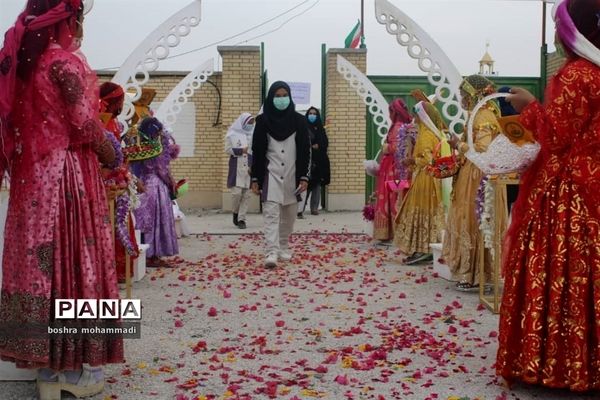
550, 315
463, 239
420, 218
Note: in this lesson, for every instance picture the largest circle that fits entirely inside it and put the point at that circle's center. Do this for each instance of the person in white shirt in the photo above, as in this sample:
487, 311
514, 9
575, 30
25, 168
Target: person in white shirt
280, 168
237, 143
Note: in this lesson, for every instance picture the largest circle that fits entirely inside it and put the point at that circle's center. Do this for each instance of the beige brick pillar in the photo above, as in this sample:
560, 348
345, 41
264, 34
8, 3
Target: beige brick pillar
240, 92
346, 115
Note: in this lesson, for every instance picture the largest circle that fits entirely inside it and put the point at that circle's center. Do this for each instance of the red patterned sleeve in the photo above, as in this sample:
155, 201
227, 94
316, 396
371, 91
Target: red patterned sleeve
531, 115
78, 94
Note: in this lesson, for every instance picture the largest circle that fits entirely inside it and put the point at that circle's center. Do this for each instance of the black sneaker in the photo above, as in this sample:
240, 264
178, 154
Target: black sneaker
300, 216
235, 219
241, 224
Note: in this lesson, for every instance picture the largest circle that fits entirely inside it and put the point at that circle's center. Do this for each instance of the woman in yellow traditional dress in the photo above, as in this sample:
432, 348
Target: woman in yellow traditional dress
420, 218
463, 239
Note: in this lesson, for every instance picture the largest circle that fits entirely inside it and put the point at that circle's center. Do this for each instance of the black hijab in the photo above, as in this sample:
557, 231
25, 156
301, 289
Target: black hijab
316, 128
281, 124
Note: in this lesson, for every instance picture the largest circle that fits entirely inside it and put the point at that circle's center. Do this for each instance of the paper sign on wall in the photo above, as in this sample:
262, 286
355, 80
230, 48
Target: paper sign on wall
300, 92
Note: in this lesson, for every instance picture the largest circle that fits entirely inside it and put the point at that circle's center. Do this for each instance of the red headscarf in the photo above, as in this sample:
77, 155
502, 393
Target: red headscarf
399, 112
26, 22
111, 98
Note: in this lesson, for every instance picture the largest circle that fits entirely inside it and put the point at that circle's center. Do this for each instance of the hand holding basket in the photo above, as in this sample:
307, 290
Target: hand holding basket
502, 155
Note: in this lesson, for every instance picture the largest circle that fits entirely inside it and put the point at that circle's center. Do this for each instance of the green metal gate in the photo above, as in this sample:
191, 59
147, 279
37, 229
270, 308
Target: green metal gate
393, 87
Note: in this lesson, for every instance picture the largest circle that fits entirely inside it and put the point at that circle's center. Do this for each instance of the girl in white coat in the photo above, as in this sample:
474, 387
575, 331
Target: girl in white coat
237, 144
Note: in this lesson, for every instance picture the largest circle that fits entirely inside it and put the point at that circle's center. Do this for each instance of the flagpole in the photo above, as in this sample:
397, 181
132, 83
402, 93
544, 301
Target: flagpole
362, 24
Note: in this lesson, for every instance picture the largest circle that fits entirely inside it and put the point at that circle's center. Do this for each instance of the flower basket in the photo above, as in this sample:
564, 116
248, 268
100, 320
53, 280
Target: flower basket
503, 156
442, 167
140, 150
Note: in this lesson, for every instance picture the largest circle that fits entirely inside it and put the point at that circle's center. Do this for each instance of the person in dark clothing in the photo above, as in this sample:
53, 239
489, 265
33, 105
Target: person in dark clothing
280, 168
320, 170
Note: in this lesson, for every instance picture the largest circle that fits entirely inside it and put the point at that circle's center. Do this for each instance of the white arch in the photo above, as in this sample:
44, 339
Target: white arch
135, 72
441, 72
180, 95
370, 95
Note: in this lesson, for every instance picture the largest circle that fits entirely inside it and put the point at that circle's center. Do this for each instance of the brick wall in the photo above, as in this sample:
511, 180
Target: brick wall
346, 115
241, 88
239, 83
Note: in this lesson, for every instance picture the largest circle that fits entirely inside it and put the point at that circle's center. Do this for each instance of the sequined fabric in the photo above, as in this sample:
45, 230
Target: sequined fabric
420, 218
385, 204
550, 313
463, 241
154, 217
57, 238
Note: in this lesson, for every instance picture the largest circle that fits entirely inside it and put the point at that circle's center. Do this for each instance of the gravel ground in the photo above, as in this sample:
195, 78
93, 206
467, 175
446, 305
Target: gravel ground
342, 320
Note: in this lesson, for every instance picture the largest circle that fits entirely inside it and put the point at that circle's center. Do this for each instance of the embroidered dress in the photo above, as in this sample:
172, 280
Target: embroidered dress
420, 218
463, 240
58, 242
385, 205
119, 176
550, 314
399, 141
154, 217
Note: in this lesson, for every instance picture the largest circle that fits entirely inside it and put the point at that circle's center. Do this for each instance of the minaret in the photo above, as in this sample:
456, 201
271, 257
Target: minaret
486, 64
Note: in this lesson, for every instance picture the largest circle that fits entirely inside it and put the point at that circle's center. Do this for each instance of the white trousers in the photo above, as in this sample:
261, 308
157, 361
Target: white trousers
279, 225
240, 198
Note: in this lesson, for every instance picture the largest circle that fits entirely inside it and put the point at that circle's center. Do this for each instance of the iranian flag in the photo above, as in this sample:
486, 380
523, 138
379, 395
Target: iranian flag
353, 39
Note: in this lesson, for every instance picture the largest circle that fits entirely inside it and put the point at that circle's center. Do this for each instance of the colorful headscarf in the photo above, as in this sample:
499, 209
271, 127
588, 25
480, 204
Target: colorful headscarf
431, 118
475, 88
150, 127
12, 43
399, 112
578, 26
111, 98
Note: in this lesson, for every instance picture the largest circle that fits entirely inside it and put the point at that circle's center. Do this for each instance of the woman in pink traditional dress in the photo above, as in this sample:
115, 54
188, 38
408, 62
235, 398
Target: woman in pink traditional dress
385, 206
58, 242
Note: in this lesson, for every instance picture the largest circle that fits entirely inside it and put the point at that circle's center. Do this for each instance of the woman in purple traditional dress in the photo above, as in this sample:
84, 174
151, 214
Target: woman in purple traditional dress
154, 216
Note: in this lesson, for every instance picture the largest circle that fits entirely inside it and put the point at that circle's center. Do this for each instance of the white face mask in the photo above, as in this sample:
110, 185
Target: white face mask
249, 127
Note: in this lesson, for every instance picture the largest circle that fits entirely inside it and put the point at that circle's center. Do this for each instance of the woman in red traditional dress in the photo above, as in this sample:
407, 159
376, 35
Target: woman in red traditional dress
550, 314
385, 205
58, 243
